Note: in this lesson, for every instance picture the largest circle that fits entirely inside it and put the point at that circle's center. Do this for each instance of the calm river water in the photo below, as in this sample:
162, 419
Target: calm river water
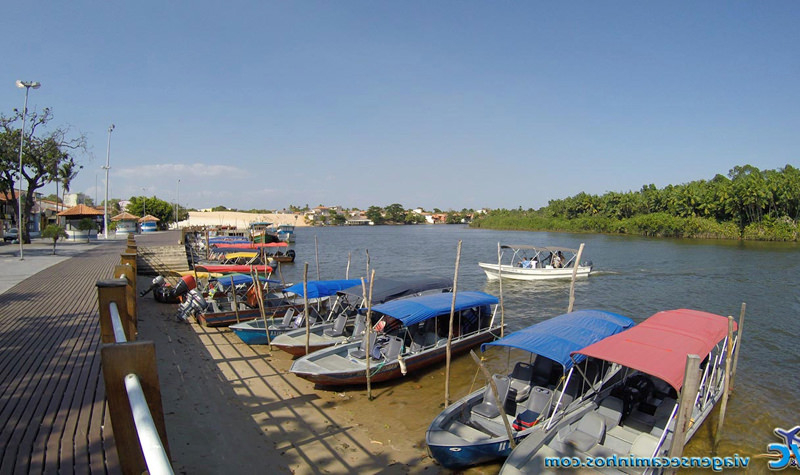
635, 277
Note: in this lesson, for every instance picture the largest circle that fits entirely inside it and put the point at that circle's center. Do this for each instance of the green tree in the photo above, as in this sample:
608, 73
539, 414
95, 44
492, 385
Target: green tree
43, 153
375, 214
164, 211
395, 213
54, 232
87, 224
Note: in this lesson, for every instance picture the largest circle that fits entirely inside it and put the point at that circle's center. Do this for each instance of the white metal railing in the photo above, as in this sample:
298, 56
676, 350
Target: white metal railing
155, 455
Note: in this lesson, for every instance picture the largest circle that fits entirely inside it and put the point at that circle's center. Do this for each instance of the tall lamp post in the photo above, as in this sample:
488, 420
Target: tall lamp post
27, 85
176, 202
105, 207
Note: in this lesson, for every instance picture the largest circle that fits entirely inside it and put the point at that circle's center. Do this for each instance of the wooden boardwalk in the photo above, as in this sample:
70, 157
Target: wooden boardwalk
52, 397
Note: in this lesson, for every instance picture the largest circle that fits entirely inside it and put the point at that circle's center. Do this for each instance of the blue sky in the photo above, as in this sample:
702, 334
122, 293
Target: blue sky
448, 104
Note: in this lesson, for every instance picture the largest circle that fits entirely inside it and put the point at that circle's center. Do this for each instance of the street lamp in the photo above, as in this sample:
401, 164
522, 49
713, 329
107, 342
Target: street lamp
27, 85
105, 207
176, 202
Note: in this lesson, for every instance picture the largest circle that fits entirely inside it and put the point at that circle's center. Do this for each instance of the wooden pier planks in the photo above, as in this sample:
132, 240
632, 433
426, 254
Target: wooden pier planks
52, 396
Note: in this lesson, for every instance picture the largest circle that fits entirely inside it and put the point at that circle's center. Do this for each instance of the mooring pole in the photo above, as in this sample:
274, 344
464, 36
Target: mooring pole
738, 344
448, 351
574, 276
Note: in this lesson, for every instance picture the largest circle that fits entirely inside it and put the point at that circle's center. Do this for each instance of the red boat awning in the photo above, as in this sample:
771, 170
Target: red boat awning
659, 345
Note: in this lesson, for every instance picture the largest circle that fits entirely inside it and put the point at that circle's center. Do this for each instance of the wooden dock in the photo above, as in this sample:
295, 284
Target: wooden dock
52, 396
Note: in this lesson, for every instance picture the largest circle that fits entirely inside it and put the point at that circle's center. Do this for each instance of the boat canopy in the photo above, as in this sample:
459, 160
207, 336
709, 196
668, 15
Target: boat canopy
560, 336
384, 290
237, 254
322, 288
525, 247
659, 345
417, 309
239, 279
226, 239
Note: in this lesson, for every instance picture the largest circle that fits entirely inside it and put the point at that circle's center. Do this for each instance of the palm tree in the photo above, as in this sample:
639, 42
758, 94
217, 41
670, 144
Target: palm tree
66, 173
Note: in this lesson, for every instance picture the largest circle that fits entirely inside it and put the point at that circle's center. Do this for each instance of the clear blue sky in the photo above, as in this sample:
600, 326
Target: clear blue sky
447, 104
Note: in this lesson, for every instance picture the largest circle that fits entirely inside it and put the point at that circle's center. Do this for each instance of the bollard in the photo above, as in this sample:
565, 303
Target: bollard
130, 292
109, 291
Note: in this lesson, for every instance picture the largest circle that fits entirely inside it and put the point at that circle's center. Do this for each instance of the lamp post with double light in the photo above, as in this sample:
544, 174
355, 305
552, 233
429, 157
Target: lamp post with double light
27, 85
105, 207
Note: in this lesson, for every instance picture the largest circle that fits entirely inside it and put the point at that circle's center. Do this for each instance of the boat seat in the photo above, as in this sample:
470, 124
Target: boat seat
542, 367
392, 349
361, 351
287, 317
360, 325
644, 445
488, 407
662, 416
538, 403
587, 433
338, 326
521, 380
611, 410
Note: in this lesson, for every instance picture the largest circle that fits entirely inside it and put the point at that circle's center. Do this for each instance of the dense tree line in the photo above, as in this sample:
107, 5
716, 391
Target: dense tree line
748, 203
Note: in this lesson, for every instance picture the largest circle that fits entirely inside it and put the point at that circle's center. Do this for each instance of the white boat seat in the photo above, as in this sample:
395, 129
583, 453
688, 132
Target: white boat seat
611, 410
489, 406
644, 445
587, 433
539, 400
338, 326
521, 380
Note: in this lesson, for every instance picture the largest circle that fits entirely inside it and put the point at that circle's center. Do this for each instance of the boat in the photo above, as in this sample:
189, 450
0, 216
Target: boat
343, 323
537, 263
634, 415
233, 268
220, 309
410, 334
253, 331
472, 431
285, 232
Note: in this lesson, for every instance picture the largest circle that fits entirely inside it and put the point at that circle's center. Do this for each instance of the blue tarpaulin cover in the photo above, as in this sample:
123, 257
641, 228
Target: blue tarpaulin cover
559, 336
416, 309
239, 279
322, 288
384, 290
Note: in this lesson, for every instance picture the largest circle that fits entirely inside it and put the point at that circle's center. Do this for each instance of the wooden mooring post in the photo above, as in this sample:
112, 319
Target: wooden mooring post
691, 383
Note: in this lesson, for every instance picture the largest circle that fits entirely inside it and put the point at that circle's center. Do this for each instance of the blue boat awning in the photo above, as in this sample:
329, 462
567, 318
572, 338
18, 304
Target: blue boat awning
417, 309
384, 290
559, 336
239, 279
322, 288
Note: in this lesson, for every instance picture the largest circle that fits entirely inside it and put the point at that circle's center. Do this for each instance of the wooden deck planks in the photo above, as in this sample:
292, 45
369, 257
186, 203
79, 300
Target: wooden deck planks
52, 397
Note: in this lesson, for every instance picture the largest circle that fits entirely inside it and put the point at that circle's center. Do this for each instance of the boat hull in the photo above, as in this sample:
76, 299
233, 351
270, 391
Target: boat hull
233, 268
390, 370
224, 319
521, 273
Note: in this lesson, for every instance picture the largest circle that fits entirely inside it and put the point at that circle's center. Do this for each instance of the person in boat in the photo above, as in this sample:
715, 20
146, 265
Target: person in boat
558, 260
526, 264
534, 262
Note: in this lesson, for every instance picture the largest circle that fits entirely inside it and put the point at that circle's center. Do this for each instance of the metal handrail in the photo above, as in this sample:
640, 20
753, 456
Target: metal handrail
155, 455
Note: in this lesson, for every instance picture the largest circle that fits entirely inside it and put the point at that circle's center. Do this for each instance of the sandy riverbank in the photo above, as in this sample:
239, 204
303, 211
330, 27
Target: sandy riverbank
240, 220
232, 406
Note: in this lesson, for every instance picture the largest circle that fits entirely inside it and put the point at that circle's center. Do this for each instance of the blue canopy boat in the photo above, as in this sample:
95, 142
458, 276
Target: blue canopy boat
253, 331
409, 334
343, 323
536, 394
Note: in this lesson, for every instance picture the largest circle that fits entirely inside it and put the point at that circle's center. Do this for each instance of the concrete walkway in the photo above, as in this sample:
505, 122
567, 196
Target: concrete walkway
38, 256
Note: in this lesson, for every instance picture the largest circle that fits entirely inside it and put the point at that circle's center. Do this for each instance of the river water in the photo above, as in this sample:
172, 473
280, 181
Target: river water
633, 276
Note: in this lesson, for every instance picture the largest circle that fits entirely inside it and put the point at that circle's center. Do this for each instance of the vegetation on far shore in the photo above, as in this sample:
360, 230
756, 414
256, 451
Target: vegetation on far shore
747, 204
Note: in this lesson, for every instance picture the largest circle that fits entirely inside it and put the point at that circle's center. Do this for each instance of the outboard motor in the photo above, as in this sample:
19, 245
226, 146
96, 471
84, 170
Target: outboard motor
168, 294
194, 302
157, 282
